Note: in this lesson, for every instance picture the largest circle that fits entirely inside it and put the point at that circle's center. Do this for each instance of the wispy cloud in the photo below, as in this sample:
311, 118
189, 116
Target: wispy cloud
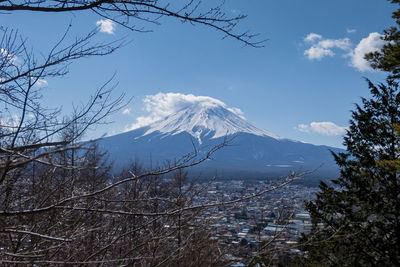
41, 83
11, 122
163, 104
7, 57
312, 37
106, 26
127, 111
323, 127
351, 30
303, 128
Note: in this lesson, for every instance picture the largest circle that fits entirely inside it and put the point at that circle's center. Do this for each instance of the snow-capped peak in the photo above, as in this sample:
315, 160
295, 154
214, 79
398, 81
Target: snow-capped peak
200, 120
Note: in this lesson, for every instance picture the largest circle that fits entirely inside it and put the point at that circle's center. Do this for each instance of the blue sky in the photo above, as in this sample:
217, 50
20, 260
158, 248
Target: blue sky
301, 85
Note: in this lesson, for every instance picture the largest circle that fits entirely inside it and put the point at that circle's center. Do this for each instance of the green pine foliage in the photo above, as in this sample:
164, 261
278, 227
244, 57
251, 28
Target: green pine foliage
356, 218
388, 58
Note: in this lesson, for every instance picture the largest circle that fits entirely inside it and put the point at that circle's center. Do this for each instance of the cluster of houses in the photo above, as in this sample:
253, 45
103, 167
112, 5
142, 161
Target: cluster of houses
270, 221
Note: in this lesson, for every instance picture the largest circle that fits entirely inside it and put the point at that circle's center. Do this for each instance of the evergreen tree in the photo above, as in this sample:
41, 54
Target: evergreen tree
356, 219
388, 58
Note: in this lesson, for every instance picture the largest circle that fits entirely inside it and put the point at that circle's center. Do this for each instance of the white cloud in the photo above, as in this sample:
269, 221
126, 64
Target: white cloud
106, 25
312, 37
327, 128
321, 47
369, 44
127, 111
163, 104
323, 127
351, 30
318, 53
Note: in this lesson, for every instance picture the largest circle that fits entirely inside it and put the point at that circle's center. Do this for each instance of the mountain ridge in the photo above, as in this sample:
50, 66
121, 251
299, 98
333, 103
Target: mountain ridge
252, 150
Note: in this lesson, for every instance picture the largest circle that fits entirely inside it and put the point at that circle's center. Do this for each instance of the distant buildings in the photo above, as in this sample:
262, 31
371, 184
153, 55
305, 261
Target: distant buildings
278, 217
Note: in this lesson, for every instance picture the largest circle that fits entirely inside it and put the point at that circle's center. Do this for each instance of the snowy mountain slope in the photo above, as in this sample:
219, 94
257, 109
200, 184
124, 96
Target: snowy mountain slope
252, 151
205, 121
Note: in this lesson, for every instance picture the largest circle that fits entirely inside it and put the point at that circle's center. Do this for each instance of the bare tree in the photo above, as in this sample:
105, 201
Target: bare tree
60, 217
132, 14
59, 203
29, 132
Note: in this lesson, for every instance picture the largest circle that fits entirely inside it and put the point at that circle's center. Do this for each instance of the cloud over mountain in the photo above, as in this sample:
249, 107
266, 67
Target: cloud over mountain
178, 124
160, 105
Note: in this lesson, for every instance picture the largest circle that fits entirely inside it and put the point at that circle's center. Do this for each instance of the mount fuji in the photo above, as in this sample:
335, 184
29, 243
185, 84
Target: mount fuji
252, 152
